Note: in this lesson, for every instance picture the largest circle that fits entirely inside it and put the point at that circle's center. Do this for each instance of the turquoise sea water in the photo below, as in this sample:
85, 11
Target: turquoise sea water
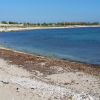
77, 44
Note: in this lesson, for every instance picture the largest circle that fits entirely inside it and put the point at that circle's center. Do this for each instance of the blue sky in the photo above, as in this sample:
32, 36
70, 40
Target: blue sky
50, 10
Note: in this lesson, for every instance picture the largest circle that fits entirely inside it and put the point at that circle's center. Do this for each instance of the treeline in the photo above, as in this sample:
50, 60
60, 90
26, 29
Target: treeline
51, 24
78, 23
10, 22
62, 23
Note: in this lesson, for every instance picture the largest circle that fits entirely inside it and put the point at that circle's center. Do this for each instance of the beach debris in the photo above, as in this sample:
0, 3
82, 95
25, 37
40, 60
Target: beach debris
4, 82
32, 88
17, 89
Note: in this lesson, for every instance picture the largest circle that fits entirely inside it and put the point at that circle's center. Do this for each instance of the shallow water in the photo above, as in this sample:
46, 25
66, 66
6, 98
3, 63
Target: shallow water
78, 44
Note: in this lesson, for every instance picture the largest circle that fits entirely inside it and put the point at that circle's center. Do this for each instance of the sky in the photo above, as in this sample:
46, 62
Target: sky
50, 10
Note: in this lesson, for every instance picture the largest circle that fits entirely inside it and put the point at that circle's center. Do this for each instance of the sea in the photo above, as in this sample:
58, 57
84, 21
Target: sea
73, 44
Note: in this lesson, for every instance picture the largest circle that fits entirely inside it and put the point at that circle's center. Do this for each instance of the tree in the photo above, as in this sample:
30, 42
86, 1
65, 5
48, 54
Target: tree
4, 22
10, 22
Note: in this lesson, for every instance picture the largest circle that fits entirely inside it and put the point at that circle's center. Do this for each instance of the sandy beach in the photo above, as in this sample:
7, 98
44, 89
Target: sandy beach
27, 77
49, 50
22, 28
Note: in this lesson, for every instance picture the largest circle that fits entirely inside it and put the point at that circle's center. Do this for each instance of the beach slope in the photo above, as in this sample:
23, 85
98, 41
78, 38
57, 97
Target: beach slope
27, 77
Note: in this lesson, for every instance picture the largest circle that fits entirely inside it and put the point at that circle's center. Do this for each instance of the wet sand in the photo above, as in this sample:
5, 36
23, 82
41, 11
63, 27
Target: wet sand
28, 77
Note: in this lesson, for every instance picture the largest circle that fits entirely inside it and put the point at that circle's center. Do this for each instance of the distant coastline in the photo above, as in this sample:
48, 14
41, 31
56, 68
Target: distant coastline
9, 28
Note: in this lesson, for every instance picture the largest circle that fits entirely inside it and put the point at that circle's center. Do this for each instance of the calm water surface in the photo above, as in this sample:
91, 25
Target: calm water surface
79, 44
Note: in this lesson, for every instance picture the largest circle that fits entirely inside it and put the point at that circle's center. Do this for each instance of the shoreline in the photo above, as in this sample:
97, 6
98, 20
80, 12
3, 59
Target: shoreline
19, 84
15, 28
27, 77
81, 66
49, 57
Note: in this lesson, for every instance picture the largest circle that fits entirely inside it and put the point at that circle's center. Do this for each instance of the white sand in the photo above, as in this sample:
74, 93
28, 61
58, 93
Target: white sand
15, 27
78, 81
3, 29
13, 77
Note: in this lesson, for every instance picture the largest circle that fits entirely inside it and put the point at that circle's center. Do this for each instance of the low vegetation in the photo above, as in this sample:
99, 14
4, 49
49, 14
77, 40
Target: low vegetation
51, 24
